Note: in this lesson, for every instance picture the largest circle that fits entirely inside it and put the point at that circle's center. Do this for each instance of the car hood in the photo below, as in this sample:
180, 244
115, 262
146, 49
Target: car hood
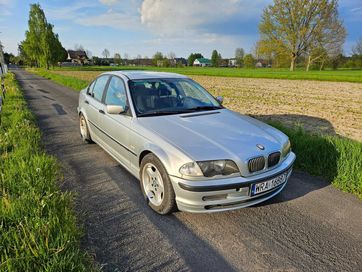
220, 134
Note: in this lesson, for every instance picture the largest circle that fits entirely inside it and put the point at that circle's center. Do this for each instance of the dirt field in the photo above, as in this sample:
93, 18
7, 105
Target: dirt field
326, 107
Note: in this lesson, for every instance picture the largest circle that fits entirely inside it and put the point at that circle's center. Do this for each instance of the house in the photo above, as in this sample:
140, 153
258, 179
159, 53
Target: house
203, 62
178, 62
233, 62
77, 56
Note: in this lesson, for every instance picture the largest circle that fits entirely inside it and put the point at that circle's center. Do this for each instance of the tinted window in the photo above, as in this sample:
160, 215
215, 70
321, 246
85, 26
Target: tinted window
99, 87
169, 96
116, 93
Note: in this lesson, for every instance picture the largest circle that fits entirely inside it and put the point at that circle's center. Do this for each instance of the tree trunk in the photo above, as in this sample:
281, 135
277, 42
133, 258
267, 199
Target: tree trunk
322, 66
308, 63
292, 61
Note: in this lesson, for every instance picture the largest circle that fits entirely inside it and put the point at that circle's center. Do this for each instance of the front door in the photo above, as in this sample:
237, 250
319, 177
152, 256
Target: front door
117, 126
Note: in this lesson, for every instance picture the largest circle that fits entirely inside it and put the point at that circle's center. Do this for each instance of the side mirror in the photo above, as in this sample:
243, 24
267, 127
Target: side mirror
114, 109
220, 99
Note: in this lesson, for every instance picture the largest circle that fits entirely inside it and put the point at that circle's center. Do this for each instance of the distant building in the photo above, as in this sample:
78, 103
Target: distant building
203, 62
233, 62
178, 61
77, 56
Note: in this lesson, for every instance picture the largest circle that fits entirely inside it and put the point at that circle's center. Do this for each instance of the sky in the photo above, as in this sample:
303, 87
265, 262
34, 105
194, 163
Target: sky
142, 27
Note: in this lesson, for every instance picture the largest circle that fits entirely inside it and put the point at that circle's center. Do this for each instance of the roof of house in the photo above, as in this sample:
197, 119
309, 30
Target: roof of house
135, 74
74, 54
204, 60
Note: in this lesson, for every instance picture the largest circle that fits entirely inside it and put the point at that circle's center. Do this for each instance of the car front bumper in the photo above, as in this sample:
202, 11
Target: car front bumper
229, 193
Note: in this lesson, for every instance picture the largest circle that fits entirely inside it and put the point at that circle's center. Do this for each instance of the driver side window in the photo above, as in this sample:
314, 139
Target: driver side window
116, 93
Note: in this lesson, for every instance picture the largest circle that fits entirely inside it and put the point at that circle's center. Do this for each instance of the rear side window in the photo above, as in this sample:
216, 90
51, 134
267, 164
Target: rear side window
99, 87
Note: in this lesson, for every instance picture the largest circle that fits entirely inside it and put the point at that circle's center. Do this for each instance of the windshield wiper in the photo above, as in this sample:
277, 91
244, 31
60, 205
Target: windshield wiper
158, 113
201, 108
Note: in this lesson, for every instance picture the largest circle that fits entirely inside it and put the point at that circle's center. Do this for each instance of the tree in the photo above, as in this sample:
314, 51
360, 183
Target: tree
357, 49
157, 58
41, 46
294, 25
239, 56
249, 61
117, 58
171, 55
192, 57
328, 44
105, 53
215, 58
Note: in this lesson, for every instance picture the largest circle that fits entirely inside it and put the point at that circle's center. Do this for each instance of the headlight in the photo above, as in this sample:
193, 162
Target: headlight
191, 169
209, 168
220, 167
286, 149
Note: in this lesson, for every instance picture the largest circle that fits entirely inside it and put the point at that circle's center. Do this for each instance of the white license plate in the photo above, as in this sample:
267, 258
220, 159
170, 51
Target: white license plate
261, 187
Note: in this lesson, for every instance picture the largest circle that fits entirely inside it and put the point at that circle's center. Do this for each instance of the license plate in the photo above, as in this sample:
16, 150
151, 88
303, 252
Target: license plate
261, 187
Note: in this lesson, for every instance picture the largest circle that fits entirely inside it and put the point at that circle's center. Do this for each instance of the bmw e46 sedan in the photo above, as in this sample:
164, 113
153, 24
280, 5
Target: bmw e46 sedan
188, 151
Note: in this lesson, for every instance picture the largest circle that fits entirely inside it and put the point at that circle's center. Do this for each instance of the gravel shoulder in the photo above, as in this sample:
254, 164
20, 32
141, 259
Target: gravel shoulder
310, 226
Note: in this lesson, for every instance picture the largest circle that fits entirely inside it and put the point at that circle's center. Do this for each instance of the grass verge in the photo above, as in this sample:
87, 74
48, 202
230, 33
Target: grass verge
38, 226
341, 75
68, 81
336, 159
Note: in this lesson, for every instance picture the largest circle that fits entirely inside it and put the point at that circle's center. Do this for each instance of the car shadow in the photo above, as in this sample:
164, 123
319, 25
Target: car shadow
307, 148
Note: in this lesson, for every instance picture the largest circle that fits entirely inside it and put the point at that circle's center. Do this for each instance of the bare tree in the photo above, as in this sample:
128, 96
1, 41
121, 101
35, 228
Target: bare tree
357, 49
171, 55
328, 44
105, 53
293, 26
89, 54
78, 47
126, 56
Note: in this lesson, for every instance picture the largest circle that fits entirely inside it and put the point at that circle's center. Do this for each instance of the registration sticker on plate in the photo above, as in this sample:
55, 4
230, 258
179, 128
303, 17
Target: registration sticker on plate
261, 187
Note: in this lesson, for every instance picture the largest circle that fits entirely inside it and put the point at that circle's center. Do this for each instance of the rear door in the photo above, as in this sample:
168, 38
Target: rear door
117, 126
96, 107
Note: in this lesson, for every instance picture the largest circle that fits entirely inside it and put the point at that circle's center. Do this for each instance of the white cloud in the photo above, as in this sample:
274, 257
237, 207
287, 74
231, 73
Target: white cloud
109, 2
174, 16
112, 19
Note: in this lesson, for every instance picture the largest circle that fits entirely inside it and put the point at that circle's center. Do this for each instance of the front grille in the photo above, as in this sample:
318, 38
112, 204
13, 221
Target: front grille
256, 164
273, 159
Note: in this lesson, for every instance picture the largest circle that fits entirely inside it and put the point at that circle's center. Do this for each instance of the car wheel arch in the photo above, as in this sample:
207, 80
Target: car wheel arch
159, 153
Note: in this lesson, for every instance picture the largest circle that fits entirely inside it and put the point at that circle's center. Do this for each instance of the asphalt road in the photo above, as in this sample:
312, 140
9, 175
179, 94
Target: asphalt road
310, 226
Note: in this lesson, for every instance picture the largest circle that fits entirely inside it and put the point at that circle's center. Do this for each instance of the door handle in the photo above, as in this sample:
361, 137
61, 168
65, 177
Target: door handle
101, 111
86, 101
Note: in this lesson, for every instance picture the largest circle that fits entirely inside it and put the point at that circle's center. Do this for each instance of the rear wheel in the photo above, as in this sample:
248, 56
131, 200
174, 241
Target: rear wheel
156, 185
84, 131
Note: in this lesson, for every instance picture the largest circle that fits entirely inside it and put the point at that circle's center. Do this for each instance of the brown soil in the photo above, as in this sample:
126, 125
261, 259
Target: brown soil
322, 107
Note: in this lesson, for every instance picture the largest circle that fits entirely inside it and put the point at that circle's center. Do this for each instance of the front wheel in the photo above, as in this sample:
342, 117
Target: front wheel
84, 131
156, 185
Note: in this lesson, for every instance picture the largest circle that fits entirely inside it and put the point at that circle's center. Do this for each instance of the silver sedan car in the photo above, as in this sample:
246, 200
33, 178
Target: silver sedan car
188, 151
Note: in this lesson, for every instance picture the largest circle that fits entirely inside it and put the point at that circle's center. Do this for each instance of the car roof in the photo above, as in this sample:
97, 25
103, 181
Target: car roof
134, 74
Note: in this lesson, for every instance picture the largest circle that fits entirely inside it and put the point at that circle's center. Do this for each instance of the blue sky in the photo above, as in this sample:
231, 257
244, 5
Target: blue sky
142, 27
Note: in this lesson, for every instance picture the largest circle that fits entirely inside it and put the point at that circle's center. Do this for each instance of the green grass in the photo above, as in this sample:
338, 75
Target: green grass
38, 226
70, 82
338, 160
344, 75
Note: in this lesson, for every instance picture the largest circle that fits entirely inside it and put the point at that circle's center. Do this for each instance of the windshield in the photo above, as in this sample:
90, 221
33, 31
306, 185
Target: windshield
169, 96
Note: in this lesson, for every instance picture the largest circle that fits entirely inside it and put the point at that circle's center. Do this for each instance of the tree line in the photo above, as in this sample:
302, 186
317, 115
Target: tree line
293, 33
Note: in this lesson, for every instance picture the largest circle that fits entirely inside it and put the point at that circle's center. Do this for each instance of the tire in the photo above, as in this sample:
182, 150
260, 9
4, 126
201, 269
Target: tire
156, 185
84, 130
